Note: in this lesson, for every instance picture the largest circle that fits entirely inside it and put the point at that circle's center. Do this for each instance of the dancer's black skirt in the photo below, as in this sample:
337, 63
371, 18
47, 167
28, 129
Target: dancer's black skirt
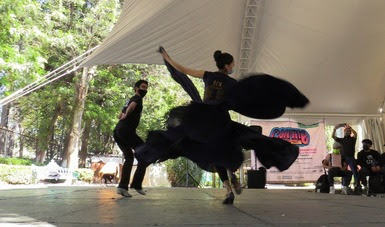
205, 133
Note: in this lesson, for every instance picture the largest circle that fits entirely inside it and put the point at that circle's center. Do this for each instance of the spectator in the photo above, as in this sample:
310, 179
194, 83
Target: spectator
368, 159
337, 167
348, 143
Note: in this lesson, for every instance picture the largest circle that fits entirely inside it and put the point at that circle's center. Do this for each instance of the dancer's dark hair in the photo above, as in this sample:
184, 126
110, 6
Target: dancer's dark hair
139, 82
222, 59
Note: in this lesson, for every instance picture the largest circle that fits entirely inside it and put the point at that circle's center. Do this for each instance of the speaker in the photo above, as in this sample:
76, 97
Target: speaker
256, 178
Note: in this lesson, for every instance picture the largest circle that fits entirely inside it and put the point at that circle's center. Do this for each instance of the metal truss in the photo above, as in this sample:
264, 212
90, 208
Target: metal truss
248, 31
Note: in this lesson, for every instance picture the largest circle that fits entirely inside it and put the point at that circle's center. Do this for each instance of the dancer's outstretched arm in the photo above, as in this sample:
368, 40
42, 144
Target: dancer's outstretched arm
181, 68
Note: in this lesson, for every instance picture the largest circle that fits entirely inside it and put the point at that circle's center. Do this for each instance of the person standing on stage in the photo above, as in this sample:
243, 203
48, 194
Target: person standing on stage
348, 143
125, 134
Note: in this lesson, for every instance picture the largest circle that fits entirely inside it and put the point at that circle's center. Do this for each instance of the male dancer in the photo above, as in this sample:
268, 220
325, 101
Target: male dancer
127, 139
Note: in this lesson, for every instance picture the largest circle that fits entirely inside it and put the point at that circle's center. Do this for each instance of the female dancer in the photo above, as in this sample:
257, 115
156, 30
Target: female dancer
203, 131
216, 84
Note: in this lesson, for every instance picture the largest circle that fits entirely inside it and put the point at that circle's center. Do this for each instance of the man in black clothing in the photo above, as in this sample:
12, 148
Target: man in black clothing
368, 159
348, 143
127, 139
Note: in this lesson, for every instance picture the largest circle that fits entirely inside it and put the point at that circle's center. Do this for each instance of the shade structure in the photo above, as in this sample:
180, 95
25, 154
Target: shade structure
333, 51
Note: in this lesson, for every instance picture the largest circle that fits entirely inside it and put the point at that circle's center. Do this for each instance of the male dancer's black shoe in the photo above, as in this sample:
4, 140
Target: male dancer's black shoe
123, 192
139, 190
229, 198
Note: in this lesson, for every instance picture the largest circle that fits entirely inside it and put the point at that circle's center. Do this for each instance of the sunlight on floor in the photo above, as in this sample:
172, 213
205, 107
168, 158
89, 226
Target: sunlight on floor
11, 219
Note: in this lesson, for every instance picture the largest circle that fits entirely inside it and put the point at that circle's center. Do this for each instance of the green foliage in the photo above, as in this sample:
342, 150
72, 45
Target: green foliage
17, 161
177, 169
211, 180
15, 174
328, 137
84, 174
37, 37
21, 55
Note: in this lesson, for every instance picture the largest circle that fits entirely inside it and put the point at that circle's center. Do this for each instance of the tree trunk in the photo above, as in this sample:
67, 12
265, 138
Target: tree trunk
71, 150
45, 141
51, 129
4, 125
21, 145
106, 141
40, 156
4, 115
84, 149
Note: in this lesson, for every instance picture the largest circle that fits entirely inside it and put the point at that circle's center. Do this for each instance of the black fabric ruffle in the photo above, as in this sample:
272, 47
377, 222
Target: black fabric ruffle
205, 133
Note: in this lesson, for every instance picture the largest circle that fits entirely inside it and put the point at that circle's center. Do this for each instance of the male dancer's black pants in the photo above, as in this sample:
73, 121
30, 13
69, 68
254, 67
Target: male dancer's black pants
139, 175
128, 140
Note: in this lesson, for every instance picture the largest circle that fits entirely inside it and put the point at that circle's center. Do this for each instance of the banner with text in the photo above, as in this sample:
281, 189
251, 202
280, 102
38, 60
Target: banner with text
312, 150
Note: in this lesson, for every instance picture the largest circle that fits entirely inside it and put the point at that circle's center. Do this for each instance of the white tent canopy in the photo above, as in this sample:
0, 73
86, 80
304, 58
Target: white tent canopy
333, 51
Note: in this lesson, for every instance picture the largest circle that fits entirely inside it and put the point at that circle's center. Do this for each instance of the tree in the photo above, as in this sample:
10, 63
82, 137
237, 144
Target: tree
70, 28
39, 36
21, 59
70, 156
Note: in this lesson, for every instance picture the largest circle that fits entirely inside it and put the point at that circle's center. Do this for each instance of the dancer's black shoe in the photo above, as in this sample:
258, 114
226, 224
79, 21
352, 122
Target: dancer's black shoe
237, 187
139, 190
229, 198
236, 184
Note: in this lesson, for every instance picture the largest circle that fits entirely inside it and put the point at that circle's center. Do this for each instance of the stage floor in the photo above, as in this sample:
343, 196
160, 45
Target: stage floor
100, 206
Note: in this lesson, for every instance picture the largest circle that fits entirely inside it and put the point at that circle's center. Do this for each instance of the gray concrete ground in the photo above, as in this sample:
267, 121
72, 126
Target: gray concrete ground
101, 206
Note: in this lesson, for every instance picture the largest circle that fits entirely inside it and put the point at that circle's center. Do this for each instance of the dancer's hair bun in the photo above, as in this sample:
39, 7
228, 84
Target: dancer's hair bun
222, 59
217, 55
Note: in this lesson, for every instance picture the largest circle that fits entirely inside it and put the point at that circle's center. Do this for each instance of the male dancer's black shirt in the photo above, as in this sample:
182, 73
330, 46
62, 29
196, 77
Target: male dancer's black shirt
132, 120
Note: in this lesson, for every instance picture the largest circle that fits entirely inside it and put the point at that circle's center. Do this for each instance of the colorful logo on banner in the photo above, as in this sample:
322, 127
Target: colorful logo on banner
297, 136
